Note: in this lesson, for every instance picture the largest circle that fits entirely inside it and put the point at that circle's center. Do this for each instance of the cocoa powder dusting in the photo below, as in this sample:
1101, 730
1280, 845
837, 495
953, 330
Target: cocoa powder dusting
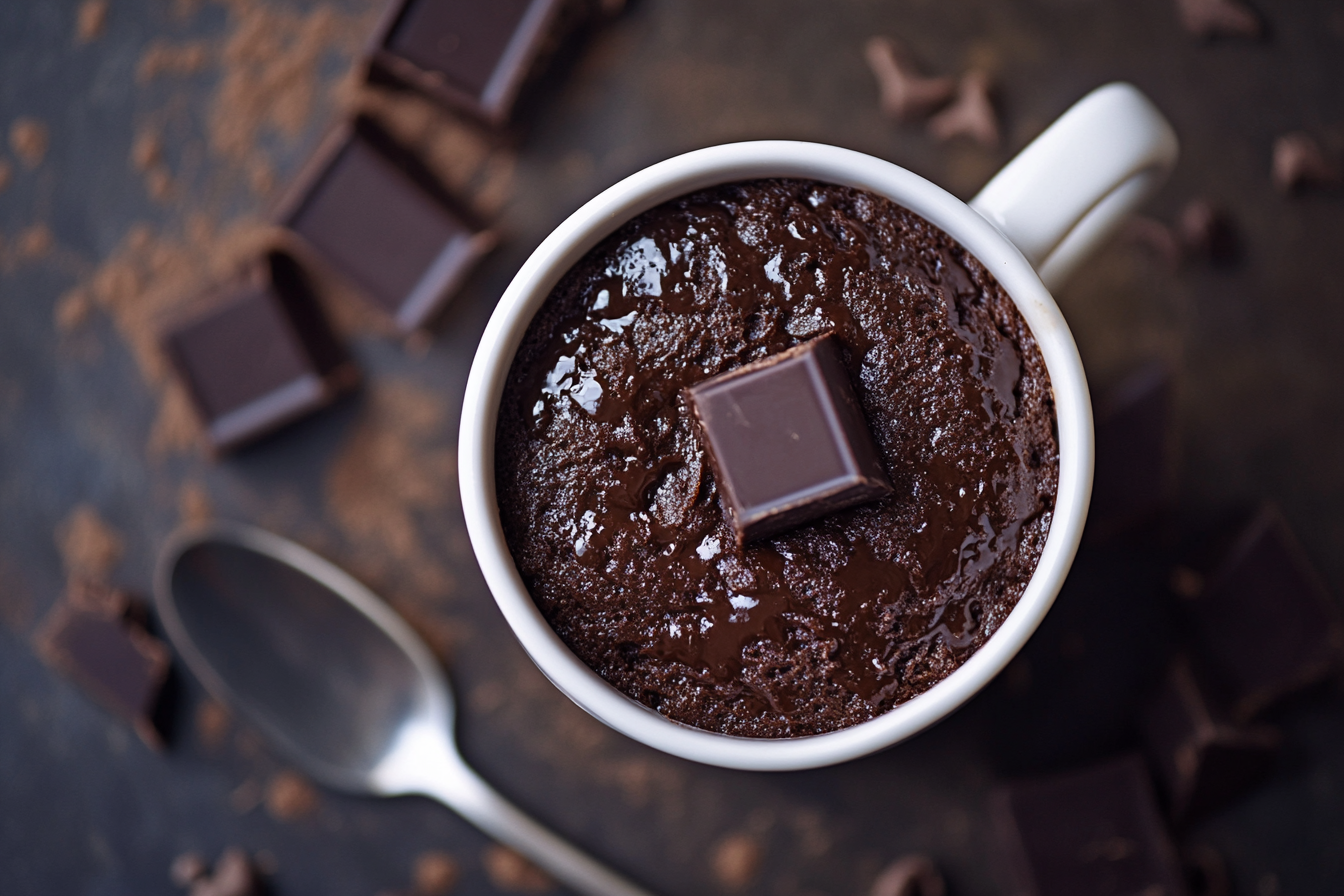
289, 796
387, 475
6, 172
193, 504
435, 873
34, 242
510, 872
29, 139
89, 547
176, 60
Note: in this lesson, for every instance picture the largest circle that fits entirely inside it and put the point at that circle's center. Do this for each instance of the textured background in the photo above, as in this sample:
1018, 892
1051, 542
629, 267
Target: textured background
172, 128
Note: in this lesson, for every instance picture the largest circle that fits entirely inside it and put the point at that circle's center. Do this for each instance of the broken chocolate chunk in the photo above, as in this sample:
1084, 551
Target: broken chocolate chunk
465, 54
1264, 620
1203, 759
1133, 480
1207, 232
373, 212
971, 113
93, 637
905, 93
261, 356
1096, 830
787, 440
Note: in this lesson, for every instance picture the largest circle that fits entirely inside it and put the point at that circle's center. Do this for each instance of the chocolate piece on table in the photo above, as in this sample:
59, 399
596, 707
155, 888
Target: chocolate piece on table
1264, 620
905, 93
464, 54
1300, 162
1207, 232
93, 639
1219, 18
1203, 759
261, 356
1133, 480
787, 440
371, 211
1096, 830
971, 113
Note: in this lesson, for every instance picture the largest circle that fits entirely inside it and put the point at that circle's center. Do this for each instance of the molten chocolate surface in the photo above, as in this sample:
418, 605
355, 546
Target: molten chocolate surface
612, 513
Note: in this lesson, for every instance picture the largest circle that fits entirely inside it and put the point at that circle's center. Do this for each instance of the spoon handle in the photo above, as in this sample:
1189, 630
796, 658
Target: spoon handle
466, 793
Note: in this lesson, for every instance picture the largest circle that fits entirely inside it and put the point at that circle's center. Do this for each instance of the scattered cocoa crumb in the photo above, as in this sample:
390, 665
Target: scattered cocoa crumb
174, 60
390, 471
912, 875
245, 797
158, 183
971, 113
193, 503
289, 796
1300, 162
1219, 18
28, 138
213, 721
737, 859
176, 428
89, 547
510, 872
435, 873
35, 242
1186, 582
90, 21
6, 172
187, 869
905, 94
233, 876
72, 310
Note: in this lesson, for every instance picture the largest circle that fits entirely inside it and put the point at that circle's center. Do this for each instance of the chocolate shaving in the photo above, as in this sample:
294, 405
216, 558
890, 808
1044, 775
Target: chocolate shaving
905, 94
29, 140
1219, 18
1300, 162
971, 113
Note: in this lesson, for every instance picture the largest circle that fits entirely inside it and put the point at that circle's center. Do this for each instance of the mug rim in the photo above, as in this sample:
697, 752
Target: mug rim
596, 220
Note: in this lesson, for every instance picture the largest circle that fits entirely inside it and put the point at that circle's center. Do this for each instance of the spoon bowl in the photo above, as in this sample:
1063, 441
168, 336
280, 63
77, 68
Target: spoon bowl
336, 680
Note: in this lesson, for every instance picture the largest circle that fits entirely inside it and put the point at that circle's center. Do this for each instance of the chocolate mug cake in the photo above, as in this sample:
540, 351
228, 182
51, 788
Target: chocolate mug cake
614, 515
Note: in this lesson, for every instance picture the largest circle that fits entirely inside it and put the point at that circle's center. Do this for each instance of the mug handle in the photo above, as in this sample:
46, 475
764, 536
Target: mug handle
1063, 195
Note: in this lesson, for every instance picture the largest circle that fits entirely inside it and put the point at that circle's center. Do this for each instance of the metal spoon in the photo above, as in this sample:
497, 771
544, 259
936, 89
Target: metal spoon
337, 681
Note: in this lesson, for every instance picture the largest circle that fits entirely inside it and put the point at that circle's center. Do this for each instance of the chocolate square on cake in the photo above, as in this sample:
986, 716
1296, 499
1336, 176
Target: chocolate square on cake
787, 439
1264, 619
1203, 759
95, 639
370, 210
261, 356
1096, 830
471, 55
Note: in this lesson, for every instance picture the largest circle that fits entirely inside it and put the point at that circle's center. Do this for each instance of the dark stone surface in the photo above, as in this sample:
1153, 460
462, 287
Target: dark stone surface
1254, 350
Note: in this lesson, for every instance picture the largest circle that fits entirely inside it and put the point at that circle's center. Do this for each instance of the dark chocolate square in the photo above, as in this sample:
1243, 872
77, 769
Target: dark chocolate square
787, 439
1096, 831
369, 210
1203, 759
93, 638
1264, 620
1133, 481
465, 54
261, 356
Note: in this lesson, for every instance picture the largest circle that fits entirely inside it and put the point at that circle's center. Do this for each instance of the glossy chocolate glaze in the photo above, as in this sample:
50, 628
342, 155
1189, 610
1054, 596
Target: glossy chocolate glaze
612, 514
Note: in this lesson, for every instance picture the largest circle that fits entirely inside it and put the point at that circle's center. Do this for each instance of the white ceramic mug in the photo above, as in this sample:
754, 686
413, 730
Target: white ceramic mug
1031, 226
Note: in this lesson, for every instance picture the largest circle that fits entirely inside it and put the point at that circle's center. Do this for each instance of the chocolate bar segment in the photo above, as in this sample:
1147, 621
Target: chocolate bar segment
1264, 620
465, 54
373, 212
261, 356
1133, 480
1203, 759
787, 439
94, 639
1096, 830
